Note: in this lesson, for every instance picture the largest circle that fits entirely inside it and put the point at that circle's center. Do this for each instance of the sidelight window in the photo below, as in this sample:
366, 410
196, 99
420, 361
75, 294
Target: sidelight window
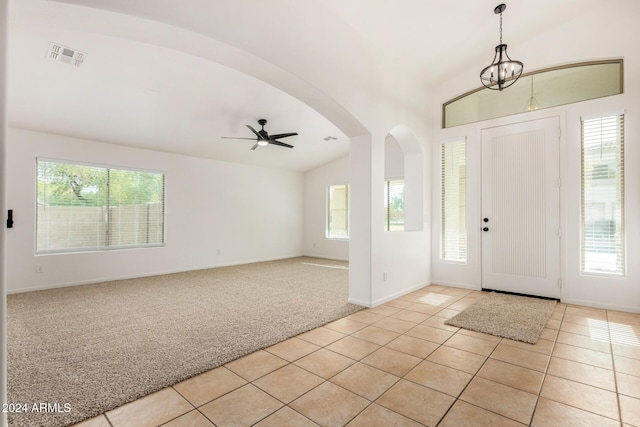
453, 227
602, 204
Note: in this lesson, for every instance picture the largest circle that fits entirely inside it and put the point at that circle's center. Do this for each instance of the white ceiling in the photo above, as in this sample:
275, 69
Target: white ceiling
196, 100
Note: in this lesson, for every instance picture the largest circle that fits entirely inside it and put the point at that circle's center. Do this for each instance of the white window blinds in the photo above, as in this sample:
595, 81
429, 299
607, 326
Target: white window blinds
338, 212
394, 205
453, 227
82, 207
603, 229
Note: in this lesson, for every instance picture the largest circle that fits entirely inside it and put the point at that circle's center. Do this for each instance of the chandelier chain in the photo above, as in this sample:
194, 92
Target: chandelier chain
503, 71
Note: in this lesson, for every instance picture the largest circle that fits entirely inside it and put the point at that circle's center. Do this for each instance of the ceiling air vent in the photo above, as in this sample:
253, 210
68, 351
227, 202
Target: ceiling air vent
57, 52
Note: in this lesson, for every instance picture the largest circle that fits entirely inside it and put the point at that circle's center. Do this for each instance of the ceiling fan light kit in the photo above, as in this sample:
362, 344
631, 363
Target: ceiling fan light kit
263, 138
503, 71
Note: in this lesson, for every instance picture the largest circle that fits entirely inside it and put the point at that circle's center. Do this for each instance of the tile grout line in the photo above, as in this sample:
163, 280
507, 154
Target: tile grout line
458, 398
423, 360
615, 376
588, 364
108, 420
546, 369
193, 405
371, 402
325, 380
440, 345
480, 368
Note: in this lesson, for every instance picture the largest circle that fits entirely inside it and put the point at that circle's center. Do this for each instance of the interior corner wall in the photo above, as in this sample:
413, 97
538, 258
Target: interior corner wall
247, 213
316, 183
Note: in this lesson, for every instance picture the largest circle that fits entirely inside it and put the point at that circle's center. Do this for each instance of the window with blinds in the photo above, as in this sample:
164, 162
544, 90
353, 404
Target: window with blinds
87, 207
602, 204
394, 205
453, 227
338, 212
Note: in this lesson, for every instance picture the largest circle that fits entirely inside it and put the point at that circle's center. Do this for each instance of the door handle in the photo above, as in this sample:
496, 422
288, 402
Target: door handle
485, 229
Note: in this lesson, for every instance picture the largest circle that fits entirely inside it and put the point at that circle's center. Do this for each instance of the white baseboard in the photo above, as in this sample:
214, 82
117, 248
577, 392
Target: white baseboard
398, 294
359, 302
586, 303
325, 257
597, 304
138, 276
457, 285
387, 298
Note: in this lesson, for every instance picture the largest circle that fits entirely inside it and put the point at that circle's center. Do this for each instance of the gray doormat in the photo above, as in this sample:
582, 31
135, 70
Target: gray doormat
510, 316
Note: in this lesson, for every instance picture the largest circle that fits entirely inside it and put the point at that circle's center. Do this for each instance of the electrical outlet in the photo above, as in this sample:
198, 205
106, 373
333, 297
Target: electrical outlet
219, 251
384, 276
39, 269
314, 244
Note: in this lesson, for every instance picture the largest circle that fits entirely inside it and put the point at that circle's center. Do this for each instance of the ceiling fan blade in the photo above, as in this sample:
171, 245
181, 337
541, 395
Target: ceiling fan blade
255, 146
283, 135
233, 137
254, 131
282, 144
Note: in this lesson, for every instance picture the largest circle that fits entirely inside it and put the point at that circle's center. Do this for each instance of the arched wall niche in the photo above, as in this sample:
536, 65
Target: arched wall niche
410, 166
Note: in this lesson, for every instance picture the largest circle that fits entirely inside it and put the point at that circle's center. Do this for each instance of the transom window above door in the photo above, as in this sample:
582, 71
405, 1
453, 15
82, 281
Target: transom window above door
537, 90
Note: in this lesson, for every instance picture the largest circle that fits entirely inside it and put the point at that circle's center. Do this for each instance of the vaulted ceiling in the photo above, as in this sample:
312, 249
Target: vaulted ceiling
151, 78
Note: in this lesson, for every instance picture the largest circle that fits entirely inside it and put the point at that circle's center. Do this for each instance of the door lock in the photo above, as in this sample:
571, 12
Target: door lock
485, 229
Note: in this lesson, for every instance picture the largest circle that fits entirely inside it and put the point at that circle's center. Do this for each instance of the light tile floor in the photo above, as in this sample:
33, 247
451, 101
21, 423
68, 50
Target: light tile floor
399, 365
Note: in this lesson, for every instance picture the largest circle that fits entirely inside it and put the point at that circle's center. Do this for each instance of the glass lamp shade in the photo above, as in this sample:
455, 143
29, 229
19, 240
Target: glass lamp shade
532, 104
503, 71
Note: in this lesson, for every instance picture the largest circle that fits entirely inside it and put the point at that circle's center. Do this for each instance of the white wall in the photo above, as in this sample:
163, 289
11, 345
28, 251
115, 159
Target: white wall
579, 43
316, 182
248, 213
401, 256
3, 187
393, 159
401, 259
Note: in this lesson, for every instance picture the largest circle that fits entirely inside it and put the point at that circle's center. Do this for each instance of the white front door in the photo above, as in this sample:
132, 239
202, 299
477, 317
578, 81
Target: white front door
521, 208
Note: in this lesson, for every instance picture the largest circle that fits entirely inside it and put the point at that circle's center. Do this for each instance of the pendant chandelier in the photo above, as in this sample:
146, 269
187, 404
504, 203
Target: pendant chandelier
503, 71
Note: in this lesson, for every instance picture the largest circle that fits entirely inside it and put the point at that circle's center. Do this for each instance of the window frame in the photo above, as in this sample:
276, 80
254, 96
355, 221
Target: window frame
621, 189
387, 195
443, 229
98, 248
328, 234
562, 68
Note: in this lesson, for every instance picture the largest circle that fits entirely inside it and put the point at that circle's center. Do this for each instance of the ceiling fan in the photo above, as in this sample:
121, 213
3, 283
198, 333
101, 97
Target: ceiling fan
263, 138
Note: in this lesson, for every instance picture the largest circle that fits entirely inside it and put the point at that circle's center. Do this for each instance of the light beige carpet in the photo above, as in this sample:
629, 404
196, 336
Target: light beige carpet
98, 346
509, 316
